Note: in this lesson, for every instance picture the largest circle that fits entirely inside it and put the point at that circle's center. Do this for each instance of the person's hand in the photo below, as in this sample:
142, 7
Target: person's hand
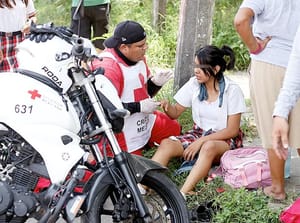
149, 105
164, 104
1, 56
280, 137
26, 27
264, 42
261, 44
191, 151
161, 77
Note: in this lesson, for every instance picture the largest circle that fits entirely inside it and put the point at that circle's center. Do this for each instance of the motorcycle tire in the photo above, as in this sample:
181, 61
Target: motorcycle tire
164, 202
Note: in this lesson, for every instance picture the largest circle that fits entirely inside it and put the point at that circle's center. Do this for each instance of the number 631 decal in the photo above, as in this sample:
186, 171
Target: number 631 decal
23, 109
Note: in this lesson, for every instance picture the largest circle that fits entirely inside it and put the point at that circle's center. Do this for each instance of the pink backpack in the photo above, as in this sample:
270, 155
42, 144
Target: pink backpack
246, 167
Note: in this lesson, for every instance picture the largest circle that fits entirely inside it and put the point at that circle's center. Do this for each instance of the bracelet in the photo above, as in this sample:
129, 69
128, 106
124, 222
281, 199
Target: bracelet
258, 50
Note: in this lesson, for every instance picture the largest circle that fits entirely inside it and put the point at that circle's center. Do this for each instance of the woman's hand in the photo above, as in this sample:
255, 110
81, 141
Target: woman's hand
191, 151
173, 111
164, 104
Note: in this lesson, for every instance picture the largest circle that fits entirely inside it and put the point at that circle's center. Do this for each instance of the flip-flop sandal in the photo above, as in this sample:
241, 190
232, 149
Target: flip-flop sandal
213, 207
201, 214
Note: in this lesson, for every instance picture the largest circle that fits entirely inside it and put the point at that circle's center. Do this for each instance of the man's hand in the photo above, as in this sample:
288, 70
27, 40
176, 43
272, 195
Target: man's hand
161, 77
280, 137
149, 105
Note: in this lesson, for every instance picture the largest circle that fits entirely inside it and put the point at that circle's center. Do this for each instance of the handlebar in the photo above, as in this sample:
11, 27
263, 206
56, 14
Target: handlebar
78, 49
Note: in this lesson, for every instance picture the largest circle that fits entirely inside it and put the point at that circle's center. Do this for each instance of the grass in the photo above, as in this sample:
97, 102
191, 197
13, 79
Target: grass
234, 205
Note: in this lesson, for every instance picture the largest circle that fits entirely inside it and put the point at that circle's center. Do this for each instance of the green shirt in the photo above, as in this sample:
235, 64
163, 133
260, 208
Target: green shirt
90, 2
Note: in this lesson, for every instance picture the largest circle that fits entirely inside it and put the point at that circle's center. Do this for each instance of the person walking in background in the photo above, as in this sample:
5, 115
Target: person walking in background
16, 17
125, 65
283, 133
268, 27
217, 105
94, 22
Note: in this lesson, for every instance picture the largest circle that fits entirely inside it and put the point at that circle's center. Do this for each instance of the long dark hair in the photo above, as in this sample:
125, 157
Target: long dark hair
210, 56
8, 3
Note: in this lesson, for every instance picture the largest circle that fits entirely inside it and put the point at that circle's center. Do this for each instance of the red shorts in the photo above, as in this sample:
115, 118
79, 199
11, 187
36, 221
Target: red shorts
163, 127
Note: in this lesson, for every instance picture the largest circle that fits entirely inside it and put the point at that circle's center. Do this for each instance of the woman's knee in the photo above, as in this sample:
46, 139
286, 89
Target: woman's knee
213, 149
208, 148
170, 146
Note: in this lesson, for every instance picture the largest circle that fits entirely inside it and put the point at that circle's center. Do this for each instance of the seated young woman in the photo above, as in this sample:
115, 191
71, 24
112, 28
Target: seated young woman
217, 104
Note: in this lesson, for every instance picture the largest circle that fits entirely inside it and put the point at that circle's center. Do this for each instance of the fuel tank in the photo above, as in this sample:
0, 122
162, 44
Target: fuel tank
44, 118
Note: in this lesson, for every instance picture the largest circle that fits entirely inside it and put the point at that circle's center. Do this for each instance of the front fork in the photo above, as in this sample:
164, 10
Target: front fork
122, 162
120, 157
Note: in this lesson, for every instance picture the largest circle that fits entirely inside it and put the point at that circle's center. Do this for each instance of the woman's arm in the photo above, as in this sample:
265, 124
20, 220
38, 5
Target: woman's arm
232, 129
173, 111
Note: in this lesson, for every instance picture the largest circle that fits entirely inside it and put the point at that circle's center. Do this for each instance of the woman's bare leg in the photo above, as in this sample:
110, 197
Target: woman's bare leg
276, 190
210, 152
167, 150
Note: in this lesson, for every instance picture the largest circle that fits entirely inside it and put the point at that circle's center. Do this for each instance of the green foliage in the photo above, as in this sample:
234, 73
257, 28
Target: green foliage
162, 46
224, 32
248, 127
56, 11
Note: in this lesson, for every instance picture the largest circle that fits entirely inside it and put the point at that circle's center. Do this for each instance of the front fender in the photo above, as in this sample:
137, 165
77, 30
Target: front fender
102, 178
141, 165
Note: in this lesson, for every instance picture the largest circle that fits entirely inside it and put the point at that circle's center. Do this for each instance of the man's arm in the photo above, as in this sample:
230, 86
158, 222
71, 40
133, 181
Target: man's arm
243, 25
152, 88
156, 82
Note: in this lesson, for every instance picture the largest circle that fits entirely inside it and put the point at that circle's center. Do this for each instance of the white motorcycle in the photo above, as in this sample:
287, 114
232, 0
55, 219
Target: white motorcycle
54, 112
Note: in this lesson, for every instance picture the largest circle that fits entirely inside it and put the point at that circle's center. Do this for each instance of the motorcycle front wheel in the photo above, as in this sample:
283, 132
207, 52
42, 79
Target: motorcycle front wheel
163, 199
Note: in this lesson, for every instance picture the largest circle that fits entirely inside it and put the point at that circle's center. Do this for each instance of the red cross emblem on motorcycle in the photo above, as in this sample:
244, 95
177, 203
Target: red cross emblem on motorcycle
34, 94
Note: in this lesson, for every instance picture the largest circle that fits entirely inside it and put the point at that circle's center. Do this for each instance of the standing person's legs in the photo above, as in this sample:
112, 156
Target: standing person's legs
81, 27
100, 21
265, 83
276, 190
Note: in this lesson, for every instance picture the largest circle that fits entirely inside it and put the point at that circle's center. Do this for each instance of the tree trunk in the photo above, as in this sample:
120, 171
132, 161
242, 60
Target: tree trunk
159, 13
195, 29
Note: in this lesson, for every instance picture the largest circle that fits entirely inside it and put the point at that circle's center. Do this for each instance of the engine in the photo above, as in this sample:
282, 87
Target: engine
22, 174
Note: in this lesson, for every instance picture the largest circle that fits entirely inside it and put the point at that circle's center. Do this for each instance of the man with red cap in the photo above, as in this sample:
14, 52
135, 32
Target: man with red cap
125, 65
